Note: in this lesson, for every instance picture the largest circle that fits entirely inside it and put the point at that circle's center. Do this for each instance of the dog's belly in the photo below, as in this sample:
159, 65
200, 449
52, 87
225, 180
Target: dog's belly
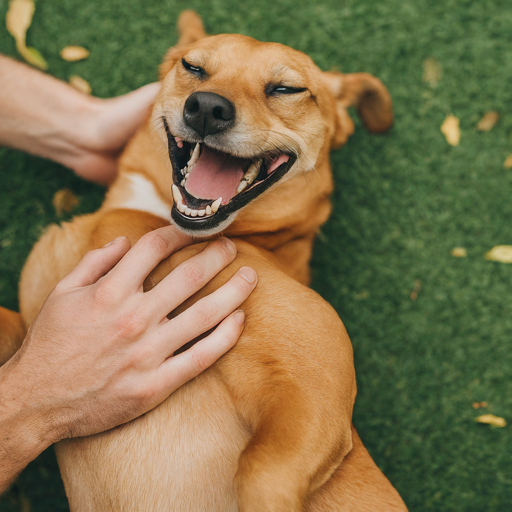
180, 457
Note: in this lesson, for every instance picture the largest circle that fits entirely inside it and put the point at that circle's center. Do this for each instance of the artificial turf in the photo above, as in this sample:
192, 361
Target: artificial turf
402, 202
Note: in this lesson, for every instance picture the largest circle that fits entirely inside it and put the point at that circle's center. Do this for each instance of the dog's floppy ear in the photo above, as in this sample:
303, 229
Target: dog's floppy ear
368, 95
191, 29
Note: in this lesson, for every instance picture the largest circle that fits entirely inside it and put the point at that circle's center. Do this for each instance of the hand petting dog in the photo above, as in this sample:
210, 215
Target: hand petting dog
100, 353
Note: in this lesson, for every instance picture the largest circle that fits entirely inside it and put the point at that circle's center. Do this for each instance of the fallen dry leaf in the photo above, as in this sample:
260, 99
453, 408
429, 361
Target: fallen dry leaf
416, 290
501, 253
74, 53
459, 252
477, 405
508, 162
25, 505
18, 20
489, 119
64, 201
451, 130
490, 419
79, 83
431, 72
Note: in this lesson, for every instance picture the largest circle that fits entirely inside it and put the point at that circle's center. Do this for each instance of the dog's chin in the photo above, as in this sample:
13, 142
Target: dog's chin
210, 187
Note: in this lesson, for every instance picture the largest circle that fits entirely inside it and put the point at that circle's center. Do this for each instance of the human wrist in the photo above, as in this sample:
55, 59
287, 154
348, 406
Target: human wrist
26, 426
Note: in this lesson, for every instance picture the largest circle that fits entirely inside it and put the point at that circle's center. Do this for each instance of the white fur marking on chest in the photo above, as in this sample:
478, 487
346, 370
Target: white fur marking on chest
145, 198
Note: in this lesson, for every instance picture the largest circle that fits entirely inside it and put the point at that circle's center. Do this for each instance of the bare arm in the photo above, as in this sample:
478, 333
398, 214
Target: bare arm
100, 353
47, 117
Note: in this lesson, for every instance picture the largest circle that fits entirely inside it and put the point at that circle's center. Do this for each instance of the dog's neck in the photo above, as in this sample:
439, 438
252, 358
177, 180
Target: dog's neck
283, 221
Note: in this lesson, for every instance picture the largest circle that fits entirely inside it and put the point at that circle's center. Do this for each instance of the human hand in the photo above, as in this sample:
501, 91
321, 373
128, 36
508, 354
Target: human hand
106, 127
49, 118
100, 352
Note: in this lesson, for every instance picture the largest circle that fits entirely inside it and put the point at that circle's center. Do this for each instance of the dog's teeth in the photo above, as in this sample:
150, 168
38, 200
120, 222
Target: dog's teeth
216, 204
201, 213
208, 210
252, 172
184, 170
182, 207
195, 155
183, 182
188, 211
177, 194
241, 187
193, 213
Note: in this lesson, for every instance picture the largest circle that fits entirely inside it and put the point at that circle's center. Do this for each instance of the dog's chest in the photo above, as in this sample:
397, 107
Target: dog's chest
134, 191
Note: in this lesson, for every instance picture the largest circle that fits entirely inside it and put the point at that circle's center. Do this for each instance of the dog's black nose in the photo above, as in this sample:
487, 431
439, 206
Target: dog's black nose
208, 113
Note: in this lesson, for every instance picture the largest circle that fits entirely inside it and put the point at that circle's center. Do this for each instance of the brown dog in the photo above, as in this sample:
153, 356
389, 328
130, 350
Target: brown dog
241, 133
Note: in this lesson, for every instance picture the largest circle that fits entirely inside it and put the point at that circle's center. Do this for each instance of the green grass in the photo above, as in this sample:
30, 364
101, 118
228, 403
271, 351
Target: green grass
402, 202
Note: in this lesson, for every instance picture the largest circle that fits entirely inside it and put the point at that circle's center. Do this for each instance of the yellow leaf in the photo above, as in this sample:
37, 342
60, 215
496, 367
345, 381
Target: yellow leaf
431, 72
490, 419
64, 201
25, 505
459, 252
74, 53
508, 162
80, 84
489, 119
32, 56
18, 20
451, 130
501, 253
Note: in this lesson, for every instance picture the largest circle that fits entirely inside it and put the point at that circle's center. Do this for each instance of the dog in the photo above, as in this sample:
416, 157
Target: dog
237, 143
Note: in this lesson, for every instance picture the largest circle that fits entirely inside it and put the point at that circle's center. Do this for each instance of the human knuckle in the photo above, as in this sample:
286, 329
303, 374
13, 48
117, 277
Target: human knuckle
156, 243
200, 360
222, 248
131, 323
206, 313
105, 294
193, 274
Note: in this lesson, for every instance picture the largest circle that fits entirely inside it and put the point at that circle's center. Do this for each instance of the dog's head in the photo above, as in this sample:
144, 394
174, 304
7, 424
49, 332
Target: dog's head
240, 117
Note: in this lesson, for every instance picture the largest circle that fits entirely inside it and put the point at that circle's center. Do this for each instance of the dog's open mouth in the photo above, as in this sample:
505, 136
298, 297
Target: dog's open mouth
209, 185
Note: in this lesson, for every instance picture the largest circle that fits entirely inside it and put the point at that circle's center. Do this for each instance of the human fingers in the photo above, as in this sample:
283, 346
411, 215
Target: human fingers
122, 116
96, 263
205, 313
177, 370
128, 276
190, 276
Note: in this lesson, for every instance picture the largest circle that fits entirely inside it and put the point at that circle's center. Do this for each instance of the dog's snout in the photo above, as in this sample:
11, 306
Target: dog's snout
208, 113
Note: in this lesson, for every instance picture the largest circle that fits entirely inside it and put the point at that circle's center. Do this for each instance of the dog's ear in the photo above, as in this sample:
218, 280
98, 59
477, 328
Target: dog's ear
368, 95
191, 29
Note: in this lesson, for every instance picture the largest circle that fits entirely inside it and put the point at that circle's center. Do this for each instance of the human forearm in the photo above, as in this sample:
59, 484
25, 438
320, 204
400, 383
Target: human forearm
40, 114
25, 430
47, 117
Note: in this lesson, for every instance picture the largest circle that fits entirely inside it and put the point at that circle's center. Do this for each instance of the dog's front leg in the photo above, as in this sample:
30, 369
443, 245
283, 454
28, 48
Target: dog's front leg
291, 454
292, 378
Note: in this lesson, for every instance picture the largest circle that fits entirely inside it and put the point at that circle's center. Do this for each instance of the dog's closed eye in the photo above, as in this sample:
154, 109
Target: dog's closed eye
195, 70
277, 90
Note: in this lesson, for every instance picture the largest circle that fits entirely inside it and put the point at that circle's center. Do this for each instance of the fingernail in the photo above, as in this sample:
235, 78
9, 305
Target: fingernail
240, 316
114, 241
231, 247
248, 274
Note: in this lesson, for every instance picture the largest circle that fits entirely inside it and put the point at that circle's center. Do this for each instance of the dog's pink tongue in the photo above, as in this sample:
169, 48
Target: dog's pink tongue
215, 175
277, 162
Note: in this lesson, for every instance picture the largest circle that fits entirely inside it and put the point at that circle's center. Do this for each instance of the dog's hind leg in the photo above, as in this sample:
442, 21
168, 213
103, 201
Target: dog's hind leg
358, 485
12, 333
